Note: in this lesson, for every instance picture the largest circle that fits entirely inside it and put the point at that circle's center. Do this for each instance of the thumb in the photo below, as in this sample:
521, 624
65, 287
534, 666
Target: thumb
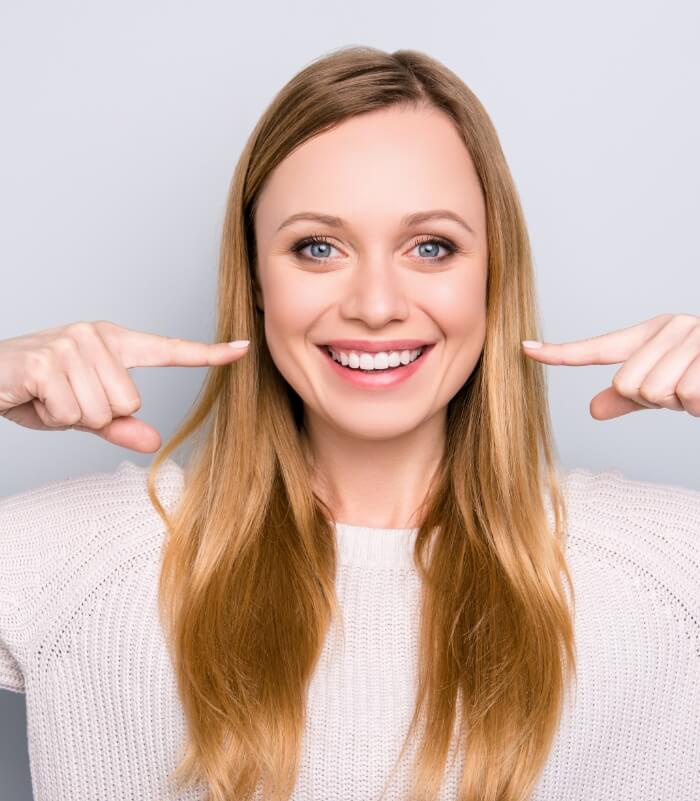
609, 403
128, 432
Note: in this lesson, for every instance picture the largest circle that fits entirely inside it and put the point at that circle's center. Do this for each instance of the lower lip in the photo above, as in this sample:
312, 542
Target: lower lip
376, 379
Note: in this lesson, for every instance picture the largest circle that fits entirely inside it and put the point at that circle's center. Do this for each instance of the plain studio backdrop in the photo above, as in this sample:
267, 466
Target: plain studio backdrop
122, 123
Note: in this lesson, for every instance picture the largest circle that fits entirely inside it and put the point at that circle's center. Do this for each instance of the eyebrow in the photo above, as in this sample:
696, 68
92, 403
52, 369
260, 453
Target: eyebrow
407, 221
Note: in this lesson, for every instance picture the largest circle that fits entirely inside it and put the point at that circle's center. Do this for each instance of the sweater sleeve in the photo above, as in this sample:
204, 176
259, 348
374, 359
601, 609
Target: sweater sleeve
45, 535
36, 527
31, 527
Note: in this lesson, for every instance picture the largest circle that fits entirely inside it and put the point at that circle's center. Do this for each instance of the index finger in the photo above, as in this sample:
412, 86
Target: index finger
612, 348
141, 349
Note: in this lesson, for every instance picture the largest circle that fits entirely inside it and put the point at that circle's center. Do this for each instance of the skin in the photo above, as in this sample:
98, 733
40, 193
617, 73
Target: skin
372, 453
660, 360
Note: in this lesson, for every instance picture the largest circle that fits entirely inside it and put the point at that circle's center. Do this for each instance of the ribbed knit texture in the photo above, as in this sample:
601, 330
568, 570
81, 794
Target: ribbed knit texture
79, 634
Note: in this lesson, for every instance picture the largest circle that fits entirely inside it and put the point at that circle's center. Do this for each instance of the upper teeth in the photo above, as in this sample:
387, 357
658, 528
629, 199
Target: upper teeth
375, 361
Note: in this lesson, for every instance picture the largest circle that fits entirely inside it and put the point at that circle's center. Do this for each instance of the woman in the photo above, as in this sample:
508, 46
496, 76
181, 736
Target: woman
364, 572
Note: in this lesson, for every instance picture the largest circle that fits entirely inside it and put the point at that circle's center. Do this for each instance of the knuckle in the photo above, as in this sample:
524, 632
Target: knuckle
173, 343
127, 406
64, 345
684, 321
104, 327
652, 394
622, 385
79, 329
63, 417
72, 417
687, 393
598, 352
100, 419
664, 316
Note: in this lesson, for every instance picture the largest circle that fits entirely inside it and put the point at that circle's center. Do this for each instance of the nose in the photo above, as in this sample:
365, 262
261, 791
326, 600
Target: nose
375, 294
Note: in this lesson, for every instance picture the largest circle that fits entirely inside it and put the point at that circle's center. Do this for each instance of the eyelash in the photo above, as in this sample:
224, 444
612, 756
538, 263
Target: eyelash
312, 240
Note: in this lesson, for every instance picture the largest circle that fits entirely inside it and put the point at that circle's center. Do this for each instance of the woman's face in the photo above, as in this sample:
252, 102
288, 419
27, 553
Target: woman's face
377, 276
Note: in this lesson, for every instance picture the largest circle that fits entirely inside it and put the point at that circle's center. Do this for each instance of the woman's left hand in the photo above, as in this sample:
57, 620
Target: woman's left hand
661, 367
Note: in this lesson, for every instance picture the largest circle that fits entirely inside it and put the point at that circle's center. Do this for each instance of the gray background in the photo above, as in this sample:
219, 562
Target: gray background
122, 123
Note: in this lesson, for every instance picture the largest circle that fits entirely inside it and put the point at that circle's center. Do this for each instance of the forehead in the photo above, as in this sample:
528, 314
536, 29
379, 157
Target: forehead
374, 168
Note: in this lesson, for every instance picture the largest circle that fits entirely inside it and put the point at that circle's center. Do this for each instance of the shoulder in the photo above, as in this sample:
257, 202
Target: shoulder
40, 523
644, 533
656, 517
43, 525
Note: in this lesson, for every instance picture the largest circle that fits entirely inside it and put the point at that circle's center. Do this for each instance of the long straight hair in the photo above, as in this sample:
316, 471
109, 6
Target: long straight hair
247, 583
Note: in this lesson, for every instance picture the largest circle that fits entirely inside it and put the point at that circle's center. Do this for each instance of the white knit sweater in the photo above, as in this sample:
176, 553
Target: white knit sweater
79, 635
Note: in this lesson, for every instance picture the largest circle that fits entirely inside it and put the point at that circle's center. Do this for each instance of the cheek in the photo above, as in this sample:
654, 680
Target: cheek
459, 309
292, 306
292, 303
458, 306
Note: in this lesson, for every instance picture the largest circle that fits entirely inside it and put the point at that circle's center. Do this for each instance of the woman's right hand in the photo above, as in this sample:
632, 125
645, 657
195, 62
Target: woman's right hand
75, 376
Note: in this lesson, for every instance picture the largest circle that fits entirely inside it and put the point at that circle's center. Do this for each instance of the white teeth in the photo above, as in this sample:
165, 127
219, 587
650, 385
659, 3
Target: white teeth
375, 361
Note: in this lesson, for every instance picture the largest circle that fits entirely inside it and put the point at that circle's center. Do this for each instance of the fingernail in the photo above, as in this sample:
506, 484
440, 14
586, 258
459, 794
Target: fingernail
531, 343
239, 343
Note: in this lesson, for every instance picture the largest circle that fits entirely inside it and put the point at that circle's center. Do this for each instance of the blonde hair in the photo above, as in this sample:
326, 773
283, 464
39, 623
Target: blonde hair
247, 584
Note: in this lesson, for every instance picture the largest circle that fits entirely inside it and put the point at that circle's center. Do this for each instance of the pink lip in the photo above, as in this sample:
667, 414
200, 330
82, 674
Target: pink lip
379, 379
377, 345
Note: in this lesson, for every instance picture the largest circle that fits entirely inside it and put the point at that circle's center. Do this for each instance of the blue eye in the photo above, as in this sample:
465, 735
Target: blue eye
310, 241
437, 243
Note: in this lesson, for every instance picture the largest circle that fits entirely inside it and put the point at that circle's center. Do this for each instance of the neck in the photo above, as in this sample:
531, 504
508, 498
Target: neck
379, 483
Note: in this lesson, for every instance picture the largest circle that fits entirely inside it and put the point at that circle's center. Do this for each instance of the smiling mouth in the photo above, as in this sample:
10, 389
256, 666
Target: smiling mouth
424, 349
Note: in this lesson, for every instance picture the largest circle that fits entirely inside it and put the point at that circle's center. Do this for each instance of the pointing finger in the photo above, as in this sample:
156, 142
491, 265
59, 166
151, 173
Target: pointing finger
141, 349
612, 348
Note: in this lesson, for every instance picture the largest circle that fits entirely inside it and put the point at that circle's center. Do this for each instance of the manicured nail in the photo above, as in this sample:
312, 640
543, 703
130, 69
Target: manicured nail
239, 343
531, 343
